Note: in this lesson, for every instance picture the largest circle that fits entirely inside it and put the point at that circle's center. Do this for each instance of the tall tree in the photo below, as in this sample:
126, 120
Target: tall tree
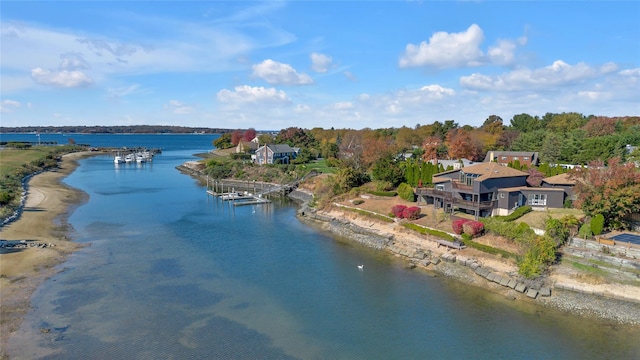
461, 145
385, 168
526, 123
551, 148
493, 125
613, 191
430, 146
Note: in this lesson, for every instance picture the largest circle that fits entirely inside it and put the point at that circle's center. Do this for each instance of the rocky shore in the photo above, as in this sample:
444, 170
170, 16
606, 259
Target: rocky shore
619, 304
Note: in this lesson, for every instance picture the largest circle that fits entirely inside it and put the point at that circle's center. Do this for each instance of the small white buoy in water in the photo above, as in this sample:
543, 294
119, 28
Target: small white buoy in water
360, 267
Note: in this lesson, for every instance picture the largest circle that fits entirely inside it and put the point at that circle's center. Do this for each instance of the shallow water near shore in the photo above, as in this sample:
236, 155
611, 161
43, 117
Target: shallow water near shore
173, 273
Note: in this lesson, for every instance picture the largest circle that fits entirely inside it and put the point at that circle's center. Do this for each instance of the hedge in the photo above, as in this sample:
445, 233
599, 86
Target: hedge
384, 193
515, 214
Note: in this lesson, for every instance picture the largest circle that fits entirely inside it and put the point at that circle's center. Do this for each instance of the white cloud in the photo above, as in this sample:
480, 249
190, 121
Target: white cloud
462, 49
248, 94
557, 74
446, 50
276, 73
62, 78
320, 62
178, 107
9, 105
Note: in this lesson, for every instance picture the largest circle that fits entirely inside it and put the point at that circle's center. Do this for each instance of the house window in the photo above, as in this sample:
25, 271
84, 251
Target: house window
504, 158
538, 199
501, 195
440, 187
515, 158
525, 158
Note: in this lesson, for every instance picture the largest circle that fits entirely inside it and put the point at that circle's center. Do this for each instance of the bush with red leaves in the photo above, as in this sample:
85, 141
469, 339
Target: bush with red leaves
473, 227
397, 210
411, 213
457, 225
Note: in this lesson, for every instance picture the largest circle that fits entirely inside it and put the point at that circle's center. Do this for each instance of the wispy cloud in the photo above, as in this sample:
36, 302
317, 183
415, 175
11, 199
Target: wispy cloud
248, 94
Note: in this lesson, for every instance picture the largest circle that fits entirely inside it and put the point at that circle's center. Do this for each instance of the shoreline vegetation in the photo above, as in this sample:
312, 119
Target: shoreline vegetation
48, 238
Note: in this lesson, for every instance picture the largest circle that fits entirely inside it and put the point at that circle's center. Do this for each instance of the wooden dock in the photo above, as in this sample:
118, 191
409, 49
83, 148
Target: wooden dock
239, 199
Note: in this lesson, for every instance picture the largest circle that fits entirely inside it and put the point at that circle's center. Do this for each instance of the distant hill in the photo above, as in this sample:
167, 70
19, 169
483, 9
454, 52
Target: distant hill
133, 129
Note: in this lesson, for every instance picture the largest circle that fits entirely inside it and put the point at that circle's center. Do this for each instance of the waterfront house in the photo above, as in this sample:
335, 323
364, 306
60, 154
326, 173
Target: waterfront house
505, 157
472, 189
488, 188
274, 154
246, 147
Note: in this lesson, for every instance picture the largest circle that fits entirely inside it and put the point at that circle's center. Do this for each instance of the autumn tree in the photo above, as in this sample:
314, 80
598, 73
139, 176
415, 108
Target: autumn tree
600, 126
493, 125
376, 144
565, 122
430, 146
535, 177
295, 137
613, 191
461, 145
236, 136
406, 138
249, 134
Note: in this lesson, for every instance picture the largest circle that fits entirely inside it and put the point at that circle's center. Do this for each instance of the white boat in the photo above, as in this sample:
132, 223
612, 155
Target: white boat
118, 159
140, 158
129, 158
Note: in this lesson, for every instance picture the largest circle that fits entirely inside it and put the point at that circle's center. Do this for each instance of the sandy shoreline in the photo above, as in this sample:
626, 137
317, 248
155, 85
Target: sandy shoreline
43, 220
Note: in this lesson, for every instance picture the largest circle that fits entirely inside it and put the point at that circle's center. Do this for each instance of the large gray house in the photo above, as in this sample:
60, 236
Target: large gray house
487, 189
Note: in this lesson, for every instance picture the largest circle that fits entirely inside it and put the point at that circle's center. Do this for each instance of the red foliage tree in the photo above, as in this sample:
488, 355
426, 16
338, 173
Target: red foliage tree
535, 177
249, 134
430, 146
613, 191
460, 145
236, 136
600, 126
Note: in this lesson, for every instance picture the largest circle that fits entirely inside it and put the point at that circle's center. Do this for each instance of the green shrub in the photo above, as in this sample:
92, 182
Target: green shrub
516, 213
384, 193
597, 224
585, 231
405, 191
358, 201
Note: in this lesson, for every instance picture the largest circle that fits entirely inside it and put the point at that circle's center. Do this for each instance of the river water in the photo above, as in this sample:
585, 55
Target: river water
171, 273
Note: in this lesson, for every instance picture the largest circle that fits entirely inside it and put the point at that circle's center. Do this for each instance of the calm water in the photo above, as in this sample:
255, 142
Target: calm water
170, 273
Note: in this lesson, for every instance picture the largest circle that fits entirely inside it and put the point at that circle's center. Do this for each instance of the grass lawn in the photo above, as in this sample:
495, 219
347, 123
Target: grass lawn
320, 166
536, 219
11, 159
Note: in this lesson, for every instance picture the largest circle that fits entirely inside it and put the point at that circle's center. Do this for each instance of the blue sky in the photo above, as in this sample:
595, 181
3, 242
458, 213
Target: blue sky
342, 64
